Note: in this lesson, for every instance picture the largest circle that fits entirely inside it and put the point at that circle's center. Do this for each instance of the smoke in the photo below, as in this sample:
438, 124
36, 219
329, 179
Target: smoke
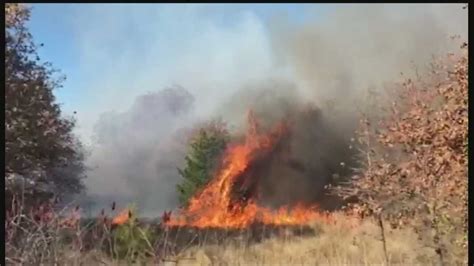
334, 63
315, 150
276, 69
137, 151
362, 46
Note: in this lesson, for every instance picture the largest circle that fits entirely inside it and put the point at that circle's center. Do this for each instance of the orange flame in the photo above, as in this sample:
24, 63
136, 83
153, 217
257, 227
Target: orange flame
212, 207
122, 217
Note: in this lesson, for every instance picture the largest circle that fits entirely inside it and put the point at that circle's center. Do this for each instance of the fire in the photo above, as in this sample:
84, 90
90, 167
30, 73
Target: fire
122, 217
214, 207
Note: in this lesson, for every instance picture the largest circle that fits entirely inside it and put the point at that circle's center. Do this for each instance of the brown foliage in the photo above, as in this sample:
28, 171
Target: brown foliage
416, 170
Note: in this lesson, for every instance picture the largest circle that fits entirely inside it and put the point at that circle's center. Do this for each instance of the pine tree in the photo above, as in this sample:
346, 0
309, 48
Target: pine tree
205, 150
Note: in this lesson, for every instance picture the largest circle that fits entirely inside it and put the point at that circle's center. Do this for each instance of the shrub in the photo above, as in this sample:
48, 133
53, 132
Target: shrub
416, 160
132, 241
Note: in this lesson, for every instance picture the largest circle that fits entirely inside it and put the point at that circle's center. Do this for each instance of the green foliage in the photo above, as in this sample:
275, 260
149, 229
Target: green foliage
132, 241
205, 150
40, 149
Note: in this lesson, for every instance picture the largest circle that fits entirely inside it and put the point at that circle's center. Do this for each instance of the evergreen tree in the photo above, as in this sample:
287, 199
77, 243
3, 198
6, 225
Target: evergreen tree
206, 148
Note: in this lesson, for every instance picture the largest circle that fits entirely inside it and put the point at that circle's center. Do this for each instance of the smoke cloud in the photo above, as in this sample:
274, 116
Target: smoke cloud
361, 46
137, 152
328, 63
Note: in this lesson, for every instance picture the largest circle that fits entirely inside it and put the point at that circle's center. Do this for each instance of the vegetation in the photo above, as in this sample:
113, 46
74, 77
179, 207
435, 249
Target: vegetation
348, 240
131, 241
415, 171
411, 190
206, 147
42, 157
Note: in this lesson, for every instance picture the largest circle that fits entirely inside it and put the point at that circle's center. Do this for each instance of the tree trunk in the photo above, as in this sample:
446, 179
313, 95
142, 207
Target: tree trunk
438, 247
382, 233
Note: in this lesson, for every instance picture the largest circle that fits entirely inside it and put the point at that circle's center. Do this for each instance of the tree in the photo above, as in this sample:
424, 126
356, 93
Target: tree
416, 171
206, 147
41, 153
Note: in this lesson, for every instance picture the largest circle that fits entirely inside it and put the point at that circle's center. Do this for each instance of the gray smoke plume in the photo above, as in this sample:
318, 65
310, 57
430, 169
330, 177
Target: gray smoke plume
361, 46
137, 152
329, 62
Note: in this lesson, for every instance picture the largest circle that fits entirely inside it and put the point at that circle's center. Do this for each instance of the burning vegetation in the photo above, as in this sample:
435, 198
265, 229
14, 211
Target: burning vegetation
261, 177
407, 169
231, 199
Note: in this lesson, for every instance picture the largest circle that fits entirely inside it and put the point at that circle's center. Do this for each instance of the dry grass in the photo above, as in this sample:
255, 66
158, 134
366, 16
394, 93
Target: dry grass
344, 240
340, 243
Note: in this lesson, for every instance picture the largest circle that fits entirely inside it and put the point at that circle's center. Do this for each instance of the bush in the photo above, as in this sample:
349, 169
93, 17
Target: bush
132, 241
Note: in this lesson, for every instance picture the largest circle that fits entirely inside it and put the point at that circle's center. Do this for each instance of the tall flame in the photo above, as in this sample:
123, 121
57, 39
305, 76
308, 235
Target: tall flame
212, 207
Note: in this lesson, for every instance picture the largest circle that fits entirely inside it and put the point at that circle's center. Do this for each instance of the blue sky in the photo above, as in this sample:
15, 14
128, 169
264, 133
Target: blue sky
112, 53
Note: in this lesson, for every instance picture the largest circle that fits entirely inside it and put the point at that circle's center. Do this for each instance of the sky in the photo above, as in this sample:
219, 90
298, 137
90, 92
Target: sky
112, 53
